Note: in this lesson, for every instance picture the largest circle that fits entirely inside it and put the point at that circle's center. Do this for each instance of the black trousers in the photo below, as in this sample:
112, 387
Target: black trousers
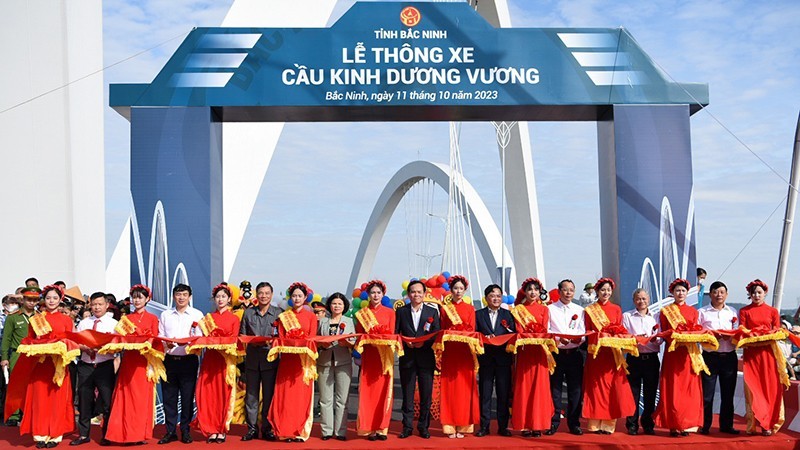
569, 369
89, 378
259, 382
723, 366
643, 371
409, 377
492, 377
181, 379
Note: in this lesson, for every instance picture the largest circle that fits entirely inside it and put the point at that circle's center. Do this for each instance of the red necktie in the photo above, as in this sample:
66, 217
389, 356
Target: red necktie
92, 353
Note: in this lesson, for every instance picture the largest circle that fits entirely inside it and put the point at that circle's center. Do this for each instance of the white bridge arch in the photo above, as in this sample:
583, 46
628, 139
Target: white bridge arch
484, 229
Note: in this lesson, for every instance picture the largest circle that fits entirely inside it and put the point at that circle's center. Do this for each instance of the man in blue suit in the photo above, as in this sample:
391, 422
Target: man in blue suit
495, 363
418, 361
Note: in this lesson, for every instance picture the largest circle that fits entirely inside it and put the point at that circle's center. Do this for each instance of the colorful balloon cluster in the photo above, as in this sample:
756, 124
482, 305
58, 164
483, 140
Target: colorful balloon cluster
309, 298
361, 300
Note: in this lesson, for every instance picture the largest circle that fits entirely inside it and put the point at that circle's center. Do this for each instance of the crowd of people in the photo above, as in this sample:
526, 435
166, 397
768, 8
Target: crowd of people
523, 356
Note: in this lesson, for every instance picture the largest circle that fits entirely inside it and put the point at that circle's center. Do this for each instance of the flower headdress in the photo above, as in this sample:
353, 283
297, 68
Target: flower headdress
297, 284
147, 290
373, 283
603, 281
679, 282
53, 287
221, 287
460, 278
750, 286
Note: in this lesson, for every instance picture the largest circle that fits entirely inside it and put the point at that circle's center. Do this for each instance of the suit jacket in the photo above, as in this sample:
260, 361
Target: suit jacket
494, 354
340, 354
254, 324
404, 326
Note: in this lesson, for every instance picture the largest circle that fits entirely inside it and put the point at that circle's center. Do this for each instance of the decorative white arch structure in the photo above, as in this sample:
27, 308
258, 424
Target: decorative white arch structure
484, 229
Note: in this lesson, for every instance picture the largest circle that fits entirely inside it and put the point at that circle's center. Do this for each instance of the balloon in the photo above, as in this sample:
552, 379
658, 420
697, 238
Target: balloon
363, 286
364, 304
508, 299
317, 297
405, 293
407, 300
438, 292
483, 300
446, 286
431, 283
290, 302
386, 301
415, 279
554, 295
468, 299
356, 304
405, 284
440, 280
446, 275
309, 297
356, 292
363, 295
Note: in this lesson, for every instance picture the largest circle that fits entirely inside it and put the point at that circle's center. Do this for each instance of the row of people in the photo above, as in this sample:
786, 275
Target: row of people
545, 352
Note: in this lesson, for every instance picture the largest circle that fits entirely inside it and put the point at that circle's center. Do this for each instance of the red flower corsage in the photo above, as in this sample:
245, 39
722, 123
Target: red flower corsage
733, 321
379, 329
194, 324
428, 324
574, 317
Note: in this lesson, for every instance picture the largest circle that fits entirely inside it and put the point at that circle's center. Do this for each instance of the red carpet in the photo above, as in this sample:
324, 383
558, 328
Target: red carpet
9, 437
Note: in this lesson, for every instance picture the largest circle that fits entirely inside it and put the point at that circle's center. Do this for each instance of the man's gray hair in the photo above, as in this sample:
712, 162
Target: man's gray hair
639, 290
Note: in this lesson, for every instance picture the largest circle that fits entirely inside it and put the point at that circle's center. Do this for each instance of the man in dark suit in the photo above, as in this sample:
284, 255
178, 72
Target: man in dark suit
495, 363
260, 374
418, 362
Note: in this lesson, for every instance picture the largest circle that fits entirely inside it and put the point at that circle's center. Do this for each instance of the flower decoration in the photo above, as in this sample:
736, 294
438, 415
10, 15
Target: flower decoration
380, 329
296, 333
572, 322
194, 324
614, 329
275, 328
733, 320
460, 278
379, 283
428, 324
504, 324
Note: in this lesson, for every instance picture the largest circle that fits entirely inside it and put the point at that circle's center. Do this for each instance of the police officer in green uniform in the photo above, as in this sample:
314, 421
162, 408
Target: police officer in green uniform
14, 331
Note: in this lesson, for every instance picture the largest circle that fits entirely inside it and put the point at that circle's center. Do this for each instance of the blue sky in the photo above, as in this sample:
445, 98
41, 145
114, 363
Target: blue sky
325, 178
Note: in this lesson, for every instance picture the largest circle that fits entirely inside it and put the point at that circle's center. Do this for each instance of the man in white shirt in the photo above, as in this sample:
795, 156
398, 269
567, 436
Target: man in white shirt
723, 363
643, 369
179, 322
95, 371
566, 317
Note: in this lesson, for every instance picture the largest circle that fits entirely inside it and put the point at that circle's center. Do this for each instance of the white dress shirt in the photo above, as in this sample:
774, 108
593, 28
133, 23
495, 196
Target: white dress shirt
639, 324
105, 324
173, 324
562, 322
719, 319
416, 315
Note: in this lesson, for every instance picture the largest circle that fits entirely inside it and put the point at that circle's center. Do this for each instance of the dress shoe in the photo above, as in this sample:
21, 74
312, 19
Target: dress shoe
536, 434
405, 433
341, 438
425, 434
481, 433
169, 437
211, 440
527, 433
684, 433
650, 431
221, 439
576, 431
381, 437
729, 431
766, 433
105, 442
372, 437
505, 432
12, 423
251, 434
550, 432
186, 438
703, 431
80, 441
633, 431
268, 435
53, 444
325, 438
41, 444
